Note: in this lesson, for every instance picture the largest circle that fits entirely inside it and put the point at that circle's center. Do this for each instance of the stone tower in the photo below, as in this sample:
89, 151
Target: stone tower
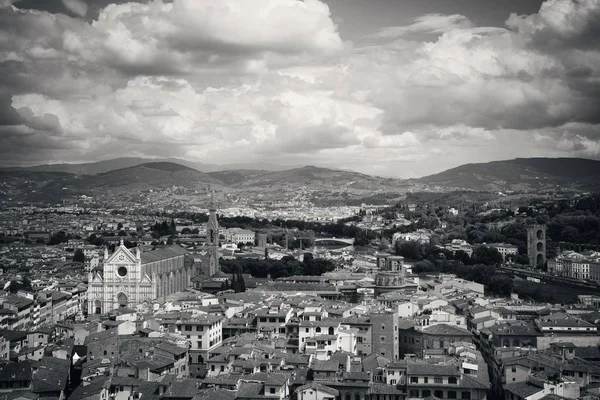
211, 262
536, 245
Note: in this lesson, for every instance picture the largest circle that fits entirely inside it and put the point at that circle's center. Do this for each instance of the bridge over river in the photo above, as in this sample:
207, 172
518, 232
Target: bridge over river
333, 241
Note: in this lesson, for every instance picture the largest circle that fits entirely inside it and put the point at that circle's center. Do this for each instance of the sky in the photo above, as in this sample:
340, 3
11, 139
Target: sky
399, 88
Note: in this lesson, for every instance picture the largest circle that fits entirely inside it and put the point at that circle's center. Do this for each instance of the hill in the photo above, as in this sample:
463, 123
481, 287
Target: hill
521, 174
237, 176
100, 167
316, 176
149, 176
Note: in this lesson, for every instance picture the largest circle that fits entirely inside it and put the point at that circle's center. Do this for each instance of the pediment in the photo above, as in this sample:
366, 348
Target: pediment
121, 256
146, 278
97, 278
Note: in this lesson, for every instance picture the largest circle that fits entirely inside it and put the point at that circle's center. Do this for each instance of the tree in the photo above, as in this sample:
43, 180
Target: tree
119, 226
225, 285
26, 282
487, 256
186, 231
241, 283
79, 256
308, 258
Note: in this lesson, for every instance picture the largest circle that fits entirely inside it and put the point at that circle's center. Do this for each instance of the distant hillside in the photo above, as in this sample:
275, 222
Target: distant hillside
149, 175
316, 176
521, 174
100, 167
237, 176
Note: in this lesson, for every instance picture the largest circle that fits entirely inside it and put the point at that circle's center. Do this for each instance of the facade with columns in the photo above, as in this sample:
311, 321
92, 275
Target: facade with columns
133, 279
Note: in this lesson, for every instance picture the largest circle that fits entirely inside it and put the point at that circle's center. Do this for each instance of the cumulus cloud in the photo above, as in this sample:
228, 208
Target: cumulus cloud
224, 80
430, 23
77, 7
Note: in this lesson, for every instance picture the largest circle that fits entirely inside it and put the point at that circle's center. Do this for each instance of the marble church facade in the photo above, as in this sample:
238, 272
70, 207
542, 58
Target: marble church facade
134, 278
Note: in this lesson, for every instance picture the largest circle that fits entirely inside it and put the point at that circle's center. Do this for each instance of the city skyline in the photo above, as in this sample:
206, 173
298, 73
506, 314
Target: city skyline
387, 88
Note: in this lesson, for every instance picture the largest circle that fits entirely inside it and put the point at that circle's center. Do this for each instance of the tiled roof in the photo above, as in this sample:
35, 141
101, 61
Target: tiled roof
522, 389
162, 254
251, 390
318, 387
426, 369
445, 329
93, 388
383, 388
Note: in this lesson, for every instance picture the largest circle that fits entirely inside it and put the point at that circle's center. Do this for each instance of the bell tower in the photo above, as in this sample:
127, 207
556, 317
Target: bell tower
212, 241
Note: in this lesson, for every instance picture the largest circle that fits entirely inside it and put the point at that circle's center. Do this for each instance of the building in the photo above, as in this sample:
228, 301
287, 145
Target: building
536, 245
459, 244
585, 266
131, 279
384, 331
210, 261
505, 249
238, 235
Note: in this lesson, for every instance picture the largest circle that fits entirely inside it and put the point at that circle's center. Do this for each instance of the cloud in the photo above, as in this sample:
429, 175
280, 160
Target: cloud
220, 81
430, 23
561, 24
77, 7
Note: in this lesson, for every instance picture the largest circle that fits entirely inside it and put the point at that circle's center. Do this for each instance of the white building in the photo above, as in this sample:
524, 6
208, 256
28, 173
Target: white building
238, 235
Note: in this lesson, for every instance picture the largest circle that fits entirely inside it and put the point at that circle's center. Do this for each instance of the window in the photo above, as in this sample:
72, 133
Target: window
414, 379
425, 393
426, 380
451, 394
452, 380
392, 382
357, 396
383, 327
382, 339
581, 374
318, 330
513, 369
272, 390
212, 367
188, 327
465, 395
437, 379
105, 352
199, 344
348, 396
222, 368
281, 330
199, 328
439, 394
306, 330
414, 393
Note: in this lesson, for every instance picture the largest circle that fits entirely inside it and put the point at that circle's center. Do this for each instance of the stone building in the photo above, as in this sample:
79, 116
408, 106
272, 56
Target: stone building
136, 278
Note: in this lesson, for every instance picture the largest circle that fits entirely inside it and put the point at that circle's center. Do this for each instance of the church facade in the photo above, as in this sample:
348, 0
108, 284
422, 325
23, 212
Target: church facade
135, 278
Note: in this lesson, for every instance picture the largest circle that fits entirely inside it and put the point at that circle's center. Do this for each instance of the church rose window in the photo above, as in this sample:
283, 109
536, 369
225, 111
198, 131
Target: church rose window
122, 272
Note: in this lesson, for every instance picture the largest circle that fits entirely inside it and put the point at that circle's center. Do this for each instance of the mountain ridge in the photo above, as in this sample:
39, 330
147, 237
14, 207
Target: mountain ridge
520, 174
